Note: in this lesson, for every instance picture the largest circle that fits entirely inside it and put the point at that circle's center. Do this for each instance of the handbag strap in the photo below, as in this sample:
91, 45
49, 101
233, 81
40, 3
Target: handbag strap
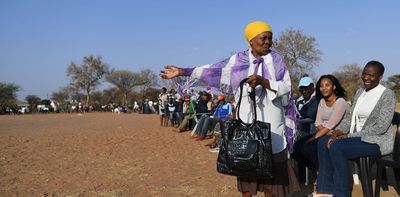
252, 97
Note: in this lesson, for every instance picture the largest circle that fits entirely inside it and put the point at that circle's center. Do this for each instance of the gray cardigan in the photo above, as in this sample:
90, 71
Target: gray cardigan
377, 127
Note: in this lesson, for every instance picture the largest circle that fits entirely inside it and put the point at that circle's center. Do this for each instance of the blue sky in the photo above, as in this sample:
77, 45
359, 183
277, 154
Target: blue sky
39, 39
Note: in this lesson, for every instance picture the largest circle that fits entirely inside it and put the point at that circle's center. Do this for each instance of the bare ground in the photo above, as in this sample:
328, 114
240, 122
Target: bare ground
104, 154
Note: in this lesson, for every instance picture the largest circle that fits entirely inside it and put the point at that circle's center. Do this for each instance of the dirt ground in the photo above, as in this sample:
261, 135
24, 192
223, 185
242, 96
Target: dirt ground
105, 154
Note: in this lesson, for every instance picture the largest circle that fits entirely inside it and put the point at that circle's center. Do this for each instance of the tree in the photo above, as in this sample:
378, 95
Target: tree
149, 78
151, 94
61, 97
394, 84
8, 96
33, 101
349, 76
75, 94
170, 83
111, 95
301, 52
97, 99
125, 80
88, 75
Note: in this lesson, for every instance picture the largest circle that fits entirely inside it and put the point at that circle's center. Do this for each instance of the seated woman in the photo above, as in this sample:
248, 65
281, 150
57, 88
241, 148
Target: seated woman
331, 109
188, 113
366, 132
203, 106
221, 113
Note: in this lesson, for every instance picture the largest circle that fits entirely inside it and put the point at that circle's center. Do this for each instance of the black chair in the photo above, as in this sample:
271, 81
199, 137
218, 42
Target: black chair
390, 163
364, 163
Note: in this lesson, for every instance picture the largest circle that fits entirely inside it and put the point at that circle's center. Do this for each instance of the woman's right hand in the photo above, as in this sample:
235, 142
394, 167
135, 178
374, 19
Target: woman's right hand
170, 72
338, 133
331, 140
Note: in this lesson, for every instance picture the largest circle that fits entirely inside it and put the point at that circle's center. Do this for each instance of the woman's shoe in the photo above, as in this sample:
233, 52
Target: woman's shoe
314, 194
214, 145
200, 139
210, 144
176, 130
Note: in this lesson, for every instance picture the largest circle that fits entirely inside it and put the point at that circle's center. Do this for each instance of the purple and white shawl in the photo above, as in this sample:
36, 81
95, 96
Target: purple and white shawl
227, 75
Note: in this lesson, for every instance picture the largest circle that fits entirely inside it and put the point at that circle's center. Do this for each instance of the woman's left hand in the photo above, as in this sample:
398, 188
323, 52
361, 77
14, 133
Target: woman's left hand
333, 138
255, 80
342, 136
170, 72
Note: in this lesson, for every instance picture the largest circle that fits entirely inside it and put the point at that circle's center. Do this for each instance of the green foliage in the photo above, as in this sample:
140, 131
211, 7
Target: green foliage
394, 83
46, 102
61, 98
349, 76
397, 92
125, 81
33, 101
8, 96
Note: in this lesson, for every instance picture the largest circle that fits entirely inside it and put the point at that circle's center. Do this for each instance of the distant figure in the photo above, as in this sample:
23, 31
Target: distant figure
9, 111
146, 107
151, 107
135, 107
69, 107
162, 102
80, 108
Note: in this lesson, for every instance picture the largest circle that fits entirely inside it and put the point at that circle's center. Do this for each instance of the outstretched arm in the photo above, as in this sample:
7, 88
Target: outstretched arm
171, 72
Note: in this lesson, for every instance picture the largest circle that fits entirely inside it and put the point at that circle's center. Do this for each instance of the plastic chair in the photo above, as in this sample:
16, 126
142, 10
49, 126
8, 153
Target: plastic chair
364, 164
390, 163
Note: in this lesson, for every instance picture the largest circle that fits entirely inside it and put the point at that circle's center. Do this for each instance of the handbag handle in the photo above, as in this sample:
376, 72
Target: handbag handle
252, 97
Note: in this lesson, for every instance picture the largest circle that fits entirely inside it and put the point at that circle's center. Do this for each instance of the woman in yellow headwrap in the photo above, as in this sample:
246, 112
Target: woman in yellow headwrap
268, 74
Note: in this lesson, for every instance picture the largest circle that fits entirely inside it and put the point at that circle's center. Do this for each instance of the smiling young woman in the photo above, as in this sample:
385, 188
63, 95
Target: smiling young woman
366, 132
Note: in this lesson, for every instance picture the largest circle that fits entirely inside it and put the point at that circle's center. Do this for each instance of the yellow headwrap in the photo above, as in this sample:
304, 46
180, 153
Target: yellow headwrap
255, 28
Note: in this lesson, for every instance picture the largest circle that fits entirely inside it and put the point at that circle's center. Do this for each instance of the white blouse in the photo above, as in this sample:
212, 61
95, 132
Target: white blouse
269, 104
365, 104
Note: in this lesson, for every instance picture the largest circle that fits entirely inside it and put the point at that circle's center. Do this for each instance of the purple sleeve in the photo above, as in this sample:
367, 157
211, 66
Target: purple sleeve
187, 71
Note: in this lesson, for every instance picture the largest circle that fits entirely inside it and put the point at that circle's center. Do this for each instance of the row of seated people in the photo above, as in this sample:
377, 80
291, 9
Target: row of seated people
199, 113
204, 114
333, 133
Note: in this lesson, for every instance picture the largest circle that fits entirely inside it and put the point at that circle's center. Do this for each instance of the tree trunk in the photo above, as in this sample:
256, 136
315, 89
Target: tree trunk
87, 97
125, 96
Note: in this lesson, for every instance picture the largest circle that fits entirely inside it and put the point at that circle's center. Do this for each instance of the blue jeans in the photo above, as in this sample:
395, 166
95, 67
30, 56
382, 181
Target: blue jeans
305, 153
205, 123
334, 175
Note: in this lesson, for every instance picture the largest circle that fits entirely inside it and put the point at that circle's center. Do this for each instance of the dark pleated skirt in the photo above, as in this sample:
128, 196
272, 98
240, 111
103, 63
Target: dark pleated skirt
283, 183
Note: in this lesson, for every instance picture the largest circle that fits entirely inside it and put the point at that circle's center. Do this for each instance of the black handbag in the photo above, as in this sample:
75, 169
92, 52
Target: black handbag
246, 149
